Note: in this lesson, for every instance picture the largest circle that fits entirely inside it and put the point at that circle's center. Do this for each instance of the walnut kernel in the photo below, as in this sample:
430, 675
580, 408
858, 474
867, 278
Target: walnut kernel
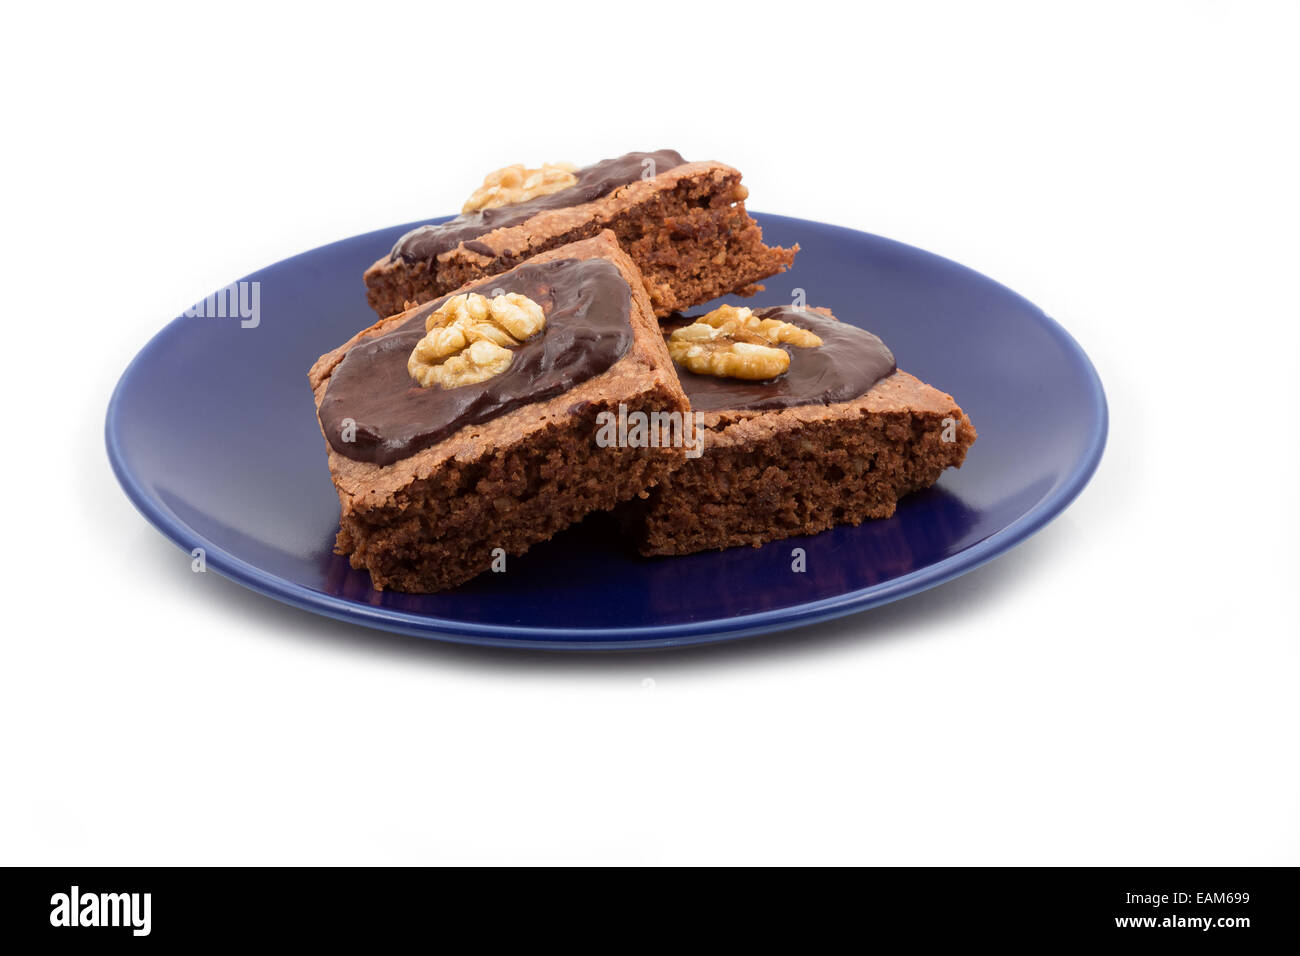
774, 331
469, 338
512, 184
734, 343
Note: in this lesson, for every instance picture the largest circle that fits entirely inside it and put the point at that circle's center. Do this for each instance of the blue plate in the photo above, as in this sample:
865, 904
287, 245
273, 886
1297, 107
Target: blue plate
212, 433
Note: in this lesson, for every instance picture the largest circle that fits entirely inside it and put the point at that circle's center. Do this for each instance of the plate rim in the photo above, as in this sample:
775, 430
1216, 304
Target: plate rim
635, 637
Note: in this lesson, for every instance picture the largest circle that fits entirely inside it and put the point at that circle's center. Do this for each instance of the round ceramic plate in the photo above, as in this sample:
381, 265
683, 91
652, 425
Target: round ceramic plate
212, 433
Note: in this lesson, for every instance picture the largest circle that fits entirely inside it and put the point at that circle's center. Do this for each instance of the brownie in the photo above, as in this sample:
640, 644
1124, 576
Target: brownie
837, 438
684, 225
432, 481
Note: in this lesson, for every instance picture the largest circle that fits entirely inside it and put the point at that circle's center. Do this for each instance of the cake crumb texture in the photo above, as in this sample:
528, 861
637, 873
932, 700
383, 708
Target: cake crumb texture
800, 471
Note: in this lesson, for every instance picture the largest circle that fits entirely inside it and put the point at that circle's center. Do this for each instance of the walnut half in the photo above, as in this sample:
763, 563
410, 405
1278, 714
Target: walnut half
469, 338
512, 184
734, 343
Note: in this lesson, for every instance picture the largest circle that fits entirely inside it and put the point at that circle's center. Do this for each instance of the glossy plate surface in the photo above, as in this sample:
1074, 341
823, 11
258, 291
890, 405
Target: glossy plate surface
212, 433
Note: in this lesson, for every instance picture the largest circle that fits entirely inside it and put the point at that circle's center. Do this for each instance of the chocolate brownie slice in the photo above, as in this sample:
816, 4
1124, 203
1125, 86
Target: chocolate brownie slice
836, 438
458, 432
684, 224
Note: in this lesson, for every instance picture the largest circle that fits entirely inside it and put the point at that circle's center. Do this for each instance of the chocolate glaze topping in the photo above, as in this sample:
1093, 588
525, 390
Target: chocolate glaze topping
428, 242
848, 362
588, 328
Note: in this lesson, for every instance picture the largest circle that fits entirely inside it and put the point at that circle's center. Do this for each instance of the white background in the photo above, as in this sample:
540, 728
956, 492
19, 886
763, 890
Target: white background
1121, 689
